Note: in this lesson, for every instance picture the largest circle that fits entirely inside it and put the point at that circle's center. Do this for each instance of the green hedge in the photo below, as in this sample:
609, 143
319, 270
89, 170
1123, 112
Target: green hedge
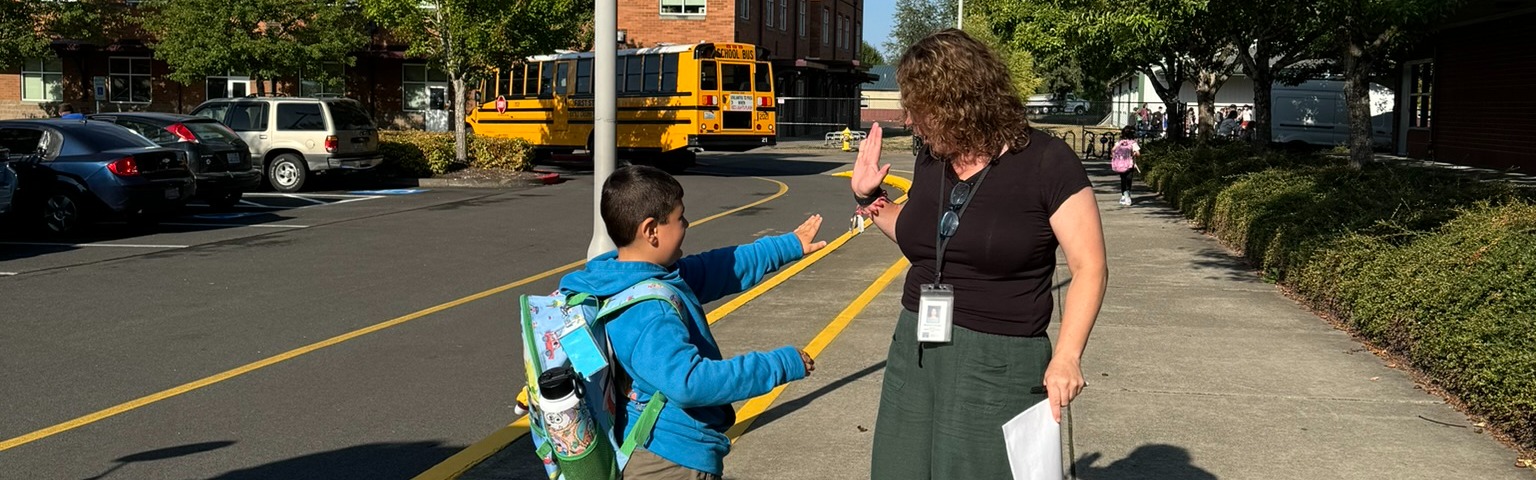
1429, 263
424, 154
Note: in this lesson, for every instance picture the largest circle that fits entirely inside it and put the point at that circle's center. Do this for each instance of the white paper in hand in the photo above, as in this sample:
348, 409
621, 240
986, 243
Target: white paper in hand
1034, 444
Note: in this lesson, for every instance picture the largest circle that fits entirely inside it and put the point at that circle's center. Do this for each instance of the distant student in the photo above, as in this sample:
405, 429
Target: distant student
1123, 161
67, 112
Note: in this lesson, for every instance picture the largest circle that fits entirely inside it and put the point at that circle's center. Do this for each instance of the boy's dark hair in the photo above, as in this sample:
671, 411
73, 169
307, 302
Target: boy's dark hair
66, 108
634, 193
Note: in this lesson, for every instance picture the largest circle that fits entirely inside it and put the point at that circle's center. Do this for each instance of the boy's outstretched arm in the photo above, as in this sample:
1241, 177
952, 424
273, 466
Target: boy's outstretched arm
731, 270
651, 343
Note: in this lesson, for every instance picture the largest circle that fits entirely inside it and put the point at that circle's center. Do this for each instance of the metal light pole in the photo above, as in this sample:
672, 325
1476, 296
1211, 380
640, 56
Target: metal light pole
605, 113
960, 15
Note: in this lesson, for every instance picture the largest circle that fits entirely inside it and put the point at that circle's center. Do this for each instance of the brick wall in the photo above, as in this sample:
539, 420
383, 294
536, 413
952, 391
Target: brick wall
645, 26
1484, 108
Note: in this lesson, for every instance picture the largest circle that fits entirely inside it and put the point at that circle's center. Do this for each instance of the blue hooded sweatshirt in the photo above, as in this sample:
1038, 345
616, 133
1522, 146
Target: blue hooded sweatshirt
678, 356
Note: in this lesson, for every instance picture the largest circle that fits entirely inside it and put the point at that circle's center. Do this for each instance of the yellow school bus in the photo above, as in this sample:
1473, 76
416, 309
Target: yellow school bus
673, 100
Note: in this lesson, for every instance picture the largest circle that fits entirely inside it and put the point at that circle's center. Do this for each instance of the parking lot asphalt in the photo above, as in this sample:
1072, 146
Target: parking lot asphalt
332, 334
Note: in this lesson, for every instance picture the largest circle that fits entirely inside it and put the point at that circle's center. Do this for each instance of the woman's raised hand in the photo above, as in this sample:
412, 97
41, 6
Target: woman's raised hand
868, 174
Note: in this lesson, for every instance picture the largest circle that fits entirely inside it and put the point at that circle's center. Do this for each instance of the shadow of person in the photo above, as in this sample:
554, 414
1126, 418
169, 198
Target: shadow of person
1154, 461
162, 454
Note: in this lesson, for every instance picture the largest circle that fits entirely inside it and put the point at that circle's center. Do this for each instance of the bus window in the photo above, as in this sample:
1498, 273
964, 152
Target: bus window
652, 73
669, 73
515, 81
531, 80
707, 76
735, 77
546, 79
633, 74
618, 69
562, 78
584, 76
762, 79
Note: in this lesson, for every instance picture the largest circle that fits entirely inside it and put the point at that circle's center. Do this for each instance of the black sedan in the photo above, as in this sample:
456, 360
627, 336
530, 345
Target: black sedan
69, 170
219, 159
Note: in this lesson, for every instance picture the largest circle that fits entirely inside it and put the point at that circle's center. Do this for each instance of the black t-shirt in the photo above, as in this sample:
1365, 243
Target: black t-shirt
1002, 257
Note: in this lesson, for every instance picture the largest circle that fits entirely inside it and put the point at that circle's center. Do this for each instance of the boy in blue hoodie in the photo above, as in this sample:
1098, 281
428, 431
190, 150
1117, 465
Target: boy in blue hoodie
663, 350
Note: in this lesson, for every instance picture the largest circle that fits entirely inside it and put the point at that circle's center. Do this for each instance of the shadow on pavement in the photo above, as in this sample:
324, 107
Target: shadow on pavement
784, 409
376, 461
164, 453
1152, 461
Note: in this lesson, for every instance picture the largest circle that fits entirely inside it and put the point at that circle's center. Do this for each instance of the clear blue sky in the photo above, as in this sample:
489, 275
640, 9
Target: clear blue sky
877, 22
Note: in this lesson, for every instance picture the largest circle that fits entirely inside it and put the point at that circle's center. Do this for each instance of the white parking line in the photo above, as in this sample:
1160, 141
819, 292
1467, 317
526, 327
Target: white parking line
307, 199
8, 274
315, 195
81, 245
231, 225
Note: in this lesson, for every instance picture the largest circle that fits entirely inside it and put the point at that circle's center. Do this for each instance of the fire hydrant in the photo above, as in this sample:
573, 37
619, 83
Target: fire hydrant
847, 139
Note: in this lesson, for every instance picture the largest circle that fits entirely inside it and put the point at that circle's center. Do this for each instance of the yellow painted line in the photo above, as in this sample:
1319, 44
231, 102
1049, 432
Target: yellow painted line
472, 455
757, 406
269, 361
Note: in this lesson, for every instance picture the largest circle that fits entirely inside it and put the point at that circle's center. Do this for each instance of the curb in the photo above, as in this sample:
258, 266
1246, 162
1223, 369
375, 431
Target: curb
542, 178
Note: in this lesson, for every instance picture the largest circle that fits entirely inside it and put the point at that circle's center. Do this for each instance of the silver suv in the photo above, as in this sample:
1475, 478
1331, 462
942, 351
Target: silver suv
292, 138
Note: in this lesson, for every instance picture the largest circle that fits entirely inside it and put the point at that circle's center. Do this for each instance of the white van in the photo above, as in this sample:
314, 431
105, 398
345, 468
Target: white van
1314, 113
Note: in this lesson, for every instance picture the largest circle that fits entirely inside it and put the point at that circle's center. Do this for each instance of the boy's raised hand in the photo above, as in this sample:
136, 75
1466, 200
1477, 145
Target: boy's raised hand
806, 232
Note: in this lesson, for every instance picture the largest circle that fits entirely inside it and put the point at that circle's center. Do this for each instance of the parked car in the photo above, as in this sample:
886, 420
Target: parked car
292, 138
219, 159
7, 181
1048, 103
71, 170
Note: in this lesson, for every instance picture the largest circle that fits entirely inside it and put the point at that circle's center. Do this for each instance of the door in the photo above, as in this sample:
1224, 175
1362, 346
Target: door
249, 120
32, 172
562, 94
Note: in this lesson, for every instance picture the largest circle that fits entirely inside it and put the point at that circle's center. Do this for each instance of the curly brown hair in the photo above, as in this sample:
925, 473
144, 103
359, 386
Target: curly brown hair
959, 97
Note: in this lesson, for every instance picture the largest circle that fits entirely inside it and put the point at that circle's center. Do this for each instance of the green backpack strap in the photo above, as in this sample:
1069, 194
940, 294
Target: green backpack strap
641, 433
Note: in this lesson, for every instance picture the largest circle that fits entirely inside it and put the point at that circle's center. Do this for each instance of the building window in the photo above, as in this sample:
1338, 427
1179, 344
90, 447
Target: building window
784, 15
129, 79
227, 86
826, 26
1421, 89
420, 82
682, 7
333, 82
42, 80
768, 14
744, 9
802, 18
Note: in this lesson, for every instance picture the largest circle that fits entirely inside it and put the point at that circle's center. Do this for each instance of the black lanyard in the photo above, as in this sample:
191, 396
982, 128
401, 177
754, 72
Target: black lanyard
944, 203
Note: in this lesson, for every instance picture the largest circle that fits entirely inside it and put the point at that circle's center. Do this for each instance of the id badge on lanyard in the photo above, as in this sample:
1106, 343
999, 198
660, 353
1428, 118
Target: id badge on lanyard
935, 313
936, 301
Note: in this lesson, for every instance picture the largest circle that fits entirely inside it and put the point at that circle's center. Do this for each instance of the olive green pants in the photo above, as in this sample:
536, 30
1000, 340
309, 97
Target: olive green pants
943, 406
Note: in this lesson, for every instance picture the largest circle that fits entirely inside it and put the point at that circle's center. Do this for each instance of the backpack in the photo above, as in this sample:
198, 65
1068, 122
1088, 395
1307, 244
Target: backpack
566, 331
1121, 158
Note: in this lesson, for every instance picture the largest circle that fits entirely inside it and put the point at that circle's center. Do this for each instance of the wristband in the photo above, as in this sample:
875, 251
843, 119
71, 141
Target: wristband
867, 201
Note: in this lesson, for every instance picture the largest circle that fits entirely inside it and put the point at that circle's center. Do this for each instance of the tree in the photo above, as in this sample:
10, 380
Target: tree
1021, 65
467, 38
1271, 36
869, 55
1367, 34
21, 37
915, 19
266, 39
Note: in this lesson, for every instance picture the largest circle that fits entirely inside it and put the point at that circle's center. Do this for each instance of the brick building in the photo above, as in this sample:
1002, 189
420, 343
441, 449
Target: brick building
397, 90
812, 44
1465, 98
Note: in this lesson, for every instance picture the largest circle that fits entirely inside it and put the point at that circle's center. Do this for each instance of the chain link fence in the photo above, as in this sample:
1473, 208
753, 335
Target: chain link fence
812, 117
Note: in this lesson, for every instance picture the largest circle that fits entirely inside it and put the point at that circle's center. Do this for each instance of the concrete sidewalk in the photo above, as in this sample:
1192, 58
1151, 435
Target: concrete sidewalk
1198, 370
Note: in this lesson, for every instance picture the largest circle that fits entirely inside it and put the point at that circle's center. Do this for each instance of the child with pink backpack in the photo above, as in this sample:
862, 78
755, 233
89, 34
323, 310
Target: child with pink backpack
1123, 159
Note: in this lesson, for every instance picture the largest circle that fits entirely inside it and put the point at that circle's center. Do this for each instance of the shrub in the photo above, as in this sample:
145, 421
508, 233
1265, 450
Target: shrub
416, 153
1431, 264
500, 153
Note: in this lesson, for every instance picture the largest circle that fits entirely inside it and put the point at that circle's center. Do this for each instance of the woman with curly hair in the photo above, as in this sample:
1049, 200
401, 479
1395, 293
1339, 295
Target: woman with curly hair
990, 202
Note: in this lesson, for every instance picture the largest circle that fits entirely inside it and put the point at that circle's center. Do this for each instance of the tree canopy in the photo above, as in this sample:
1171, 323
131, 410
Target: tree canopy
262, 38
